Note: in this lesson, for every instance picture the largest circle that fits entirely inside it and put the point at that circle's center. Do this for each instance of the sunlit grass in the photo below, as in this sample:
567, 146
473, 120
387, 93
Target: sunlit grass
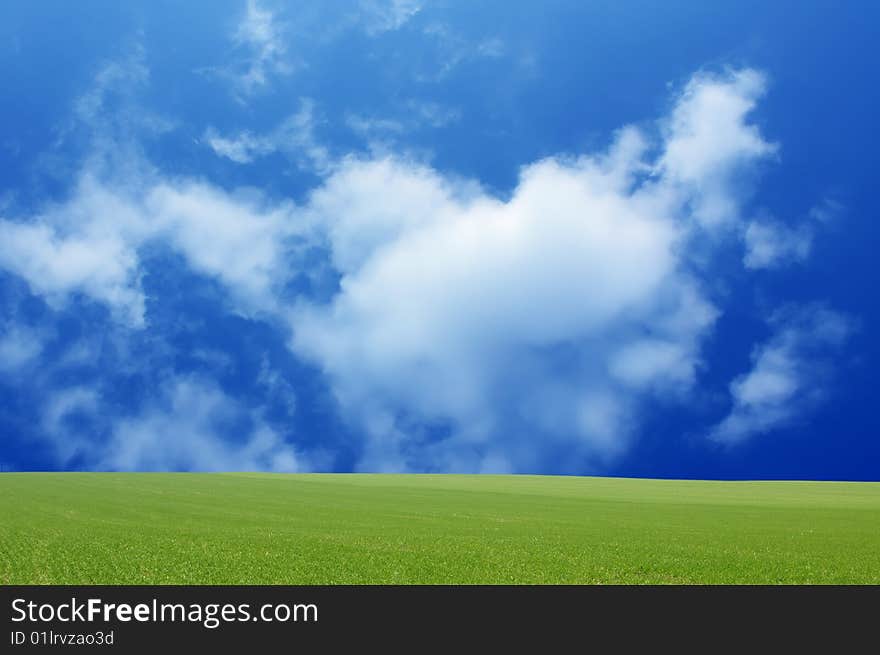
120, 528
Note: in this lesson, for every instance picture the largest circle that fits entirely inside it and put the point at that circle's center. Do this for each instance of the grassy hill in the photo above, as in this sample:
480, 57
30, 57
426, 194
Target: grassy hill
119, 528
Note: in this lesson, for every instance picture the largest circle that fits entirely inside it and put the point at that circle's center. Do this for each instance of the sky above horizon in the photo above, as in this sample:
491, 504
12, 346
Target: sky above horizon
604, 238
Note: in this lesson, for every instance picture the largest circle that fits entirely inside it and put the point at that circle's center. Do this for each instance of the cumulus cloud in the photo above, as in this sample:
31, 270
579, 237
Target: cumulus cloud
543, 318
449, 299
789, 373
467, 332
709, 141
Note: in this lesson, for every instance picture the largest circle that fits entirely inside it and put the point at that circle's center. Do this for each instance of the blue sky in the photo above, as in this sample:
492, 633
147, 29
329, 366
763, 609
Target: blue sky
610, 238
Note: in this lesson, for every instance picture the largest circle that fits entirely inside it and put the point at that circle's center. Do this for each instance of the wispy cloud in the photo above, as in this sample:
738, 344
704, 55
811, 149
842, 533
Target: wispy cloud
771, 244
242, 148
369, 127
109, 121
789, 373
451, 50
294, 137
433, 114
185, 426
187, 429
115, 79
378, 16
418, 115
62, 408
829, 209
19, 347
261, 52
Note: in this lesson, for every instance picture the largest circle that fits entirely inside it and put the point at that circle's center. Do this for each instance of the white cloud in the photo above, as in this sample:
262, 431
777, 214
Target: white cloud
102, 266
185, 430
771, 244
788, 376
370, 127
295, 137
451, 50
433, 114
493, 47
60, 406
115, 79
357, 211
109, 118
185, 427
468, 332
260, 37
277, 387
19, 347
544, 317
179, 422
378, 16
384, 134
709, 141
109, 106
230, 238
242, 148
648, 361
89, 245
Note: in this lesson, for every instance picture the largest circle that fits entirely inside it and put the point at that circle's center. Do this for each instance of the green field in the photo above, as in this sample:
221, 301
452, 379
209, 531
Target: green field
121, 528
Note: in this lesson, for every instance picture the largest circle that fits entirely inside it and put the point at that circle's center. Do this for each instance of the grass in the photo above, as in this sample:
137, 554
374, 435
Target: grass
132, 528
